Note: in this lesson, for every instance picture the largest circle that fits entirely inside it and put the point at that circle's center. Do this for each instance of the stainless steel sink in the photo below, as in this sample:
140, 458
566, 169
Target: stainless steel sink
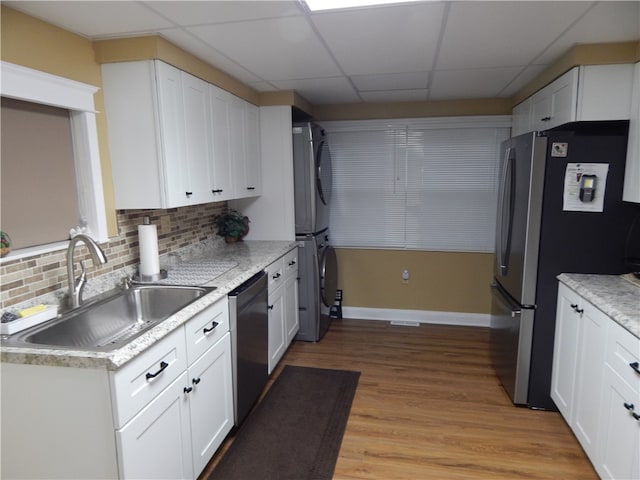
109, 323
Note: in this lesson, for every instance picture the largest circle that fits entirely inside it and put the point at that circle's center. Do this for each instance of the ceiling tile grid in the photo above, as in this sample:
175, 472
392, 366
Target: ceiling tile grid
423, 50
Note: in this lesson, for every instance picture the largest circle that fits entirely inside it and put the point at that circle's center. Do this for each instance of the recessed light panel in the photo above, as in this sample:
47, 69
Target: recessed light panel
316, 5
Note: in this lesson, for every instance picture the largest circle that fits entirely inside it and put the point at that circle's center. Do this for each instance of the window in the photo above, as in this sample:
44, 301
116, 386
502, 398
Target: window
25, 84
424, 184
39, 201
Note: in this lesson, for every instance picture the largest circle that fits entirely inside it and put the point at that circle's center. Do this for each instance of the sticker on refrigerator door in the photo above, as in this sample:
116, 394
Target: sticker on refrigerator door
559, 149
584, 187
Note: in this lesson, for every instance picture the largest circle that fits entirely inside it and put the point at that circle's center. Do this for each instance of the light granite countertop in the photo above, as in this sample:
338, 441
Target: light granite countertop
245, 259
618, 296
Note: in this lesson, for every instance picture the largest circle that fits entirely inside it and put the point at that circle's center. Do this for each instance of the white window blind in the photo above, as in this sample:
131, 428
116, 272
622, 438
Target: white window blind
424, 184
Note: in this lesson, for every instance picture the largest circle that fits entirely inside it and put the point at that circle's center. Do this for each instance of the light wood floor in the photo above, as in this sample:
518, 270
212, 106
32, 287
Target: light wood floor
428, 406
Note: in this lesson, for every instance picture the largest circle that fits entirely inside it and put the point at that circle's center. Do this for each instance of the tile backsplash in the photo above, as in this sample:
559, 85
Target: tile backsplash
41, 278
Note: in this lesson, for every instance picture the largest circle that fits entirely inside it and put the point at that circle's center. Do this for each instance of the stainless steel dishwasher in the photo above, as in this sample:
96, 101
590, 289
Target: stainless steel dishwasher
249, 325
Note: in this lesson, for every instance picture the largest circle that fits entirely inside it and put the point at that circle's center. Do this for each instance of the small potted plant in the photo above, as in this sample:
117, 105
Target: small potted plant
232, 225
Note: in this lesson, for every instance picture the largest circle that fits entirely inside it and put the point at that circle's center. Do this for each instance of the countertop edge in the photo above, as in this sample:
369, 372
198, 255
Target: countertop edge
251, 257
613, 295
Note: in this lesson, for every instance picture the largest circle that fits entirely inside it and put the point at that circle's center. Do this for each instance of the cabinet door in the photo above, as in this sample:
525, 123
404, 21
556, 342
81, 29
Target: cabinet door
276, 328
221, 167
211, 402
619, 451
541, 110
253, 164
197, 139
521, 118
555, 104
564, 97
237, 145
291, 320
565, 351
632, 172
588, 389
156, 443
172, 135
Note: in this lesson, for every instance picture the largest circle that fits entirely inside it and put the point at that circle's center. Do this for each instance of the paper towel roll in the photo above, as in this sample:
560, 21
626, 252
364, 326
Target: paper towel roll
148, 240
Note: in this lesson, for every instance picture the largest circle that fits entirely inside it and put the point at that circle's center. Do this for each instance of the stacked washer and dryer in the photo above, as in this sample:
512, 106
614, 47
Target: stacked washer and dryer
317, 266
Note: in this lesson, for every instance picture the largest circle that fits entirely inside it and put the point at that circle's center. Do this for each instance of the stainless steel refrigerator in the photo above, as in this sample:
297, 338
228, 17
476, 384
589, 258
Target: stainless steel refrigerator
560, 209
317, 266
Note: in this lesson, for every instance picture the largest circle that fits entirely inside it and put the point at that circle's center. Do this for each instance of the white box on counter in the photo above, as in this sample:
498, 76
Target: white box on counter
23, 323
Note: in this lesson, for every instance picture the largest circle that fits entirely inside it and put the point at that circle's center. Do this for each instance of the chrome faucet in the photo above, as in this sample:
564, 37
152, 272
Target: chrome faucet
76, 285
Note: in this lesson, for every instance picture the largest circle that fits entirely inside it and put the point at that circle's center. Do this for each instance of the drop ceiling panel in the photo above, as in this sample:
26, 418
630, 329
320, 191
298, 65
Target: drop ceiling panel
478, 83
200, 49
383, 39
391, 81
285, 48
625, 16
499, 34
95, 19
522, 80
322, 91
212, 12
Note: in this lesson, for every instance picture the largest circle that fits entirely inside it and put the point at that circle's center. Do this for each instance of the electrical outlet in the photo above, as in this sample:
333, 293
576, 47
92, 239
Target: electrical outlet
405, 276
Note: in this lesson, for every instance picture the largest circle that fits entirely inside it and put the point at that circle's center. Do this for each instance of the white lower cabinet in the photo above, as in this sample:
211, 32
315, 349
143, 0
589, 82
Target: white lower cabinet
283, 305
590, 368
156, 443
185, 424
210, 402
619, 442
595, 385
162, 415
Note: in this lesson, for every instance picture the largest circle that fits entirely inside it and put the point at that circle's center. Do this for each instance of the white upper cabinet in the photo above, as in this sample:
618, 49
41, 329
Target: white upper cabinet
221, 167
632, 172
585, 93
177, 140
145, 113
245, 148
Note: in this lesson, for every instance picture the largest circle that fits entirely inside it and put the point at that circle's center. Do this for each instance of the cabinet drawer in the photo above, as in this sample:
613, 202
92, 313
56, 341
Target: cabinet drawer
275, 271
206, 328
623, 349
290, 263
142, 379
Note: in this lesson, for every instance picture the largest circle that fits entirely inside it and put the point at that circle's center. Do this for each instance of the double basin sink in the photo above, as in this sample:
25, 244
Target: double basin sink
110, 321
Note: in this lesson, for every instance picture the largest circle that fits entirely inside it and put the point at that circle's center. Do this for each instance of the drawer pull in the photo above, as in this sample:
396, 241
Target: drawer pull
188, 389
292, 263
276, 276
188, 194
270, 307
628, 406
217, 190
635, 415
251, 188
635, 366
196, 381
211, 329
545, 119
163, 365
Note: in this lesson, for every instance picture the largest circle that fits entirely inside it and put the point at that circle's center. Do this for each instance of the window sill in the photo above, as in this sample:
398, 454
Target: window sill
34, 251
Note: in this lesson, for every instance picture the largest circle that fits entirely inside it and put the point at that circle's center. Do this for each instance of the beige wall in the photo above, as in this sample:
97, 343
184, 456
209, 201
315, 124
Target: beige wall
35, 44
439, 281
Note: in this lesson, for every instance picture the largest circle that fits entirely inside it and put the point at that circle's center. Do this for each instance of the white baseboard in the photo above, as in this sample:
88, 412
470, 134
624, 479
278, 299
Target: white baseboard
417, 316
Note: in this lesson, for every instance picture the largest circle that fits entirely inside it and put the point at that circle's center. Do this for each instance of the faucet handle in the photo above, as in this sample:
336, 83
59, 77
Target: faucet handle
127, 282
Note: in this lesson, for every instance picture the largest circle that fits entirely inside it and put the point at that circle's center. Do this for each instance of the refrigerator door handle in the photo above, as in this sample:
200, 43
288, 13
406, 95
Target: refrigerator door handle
506, 209
502, 297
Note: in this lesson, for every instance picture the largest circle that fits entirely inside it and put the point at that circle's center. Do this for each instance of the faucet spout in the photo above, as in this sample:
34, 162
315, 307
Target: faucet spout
97, 256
